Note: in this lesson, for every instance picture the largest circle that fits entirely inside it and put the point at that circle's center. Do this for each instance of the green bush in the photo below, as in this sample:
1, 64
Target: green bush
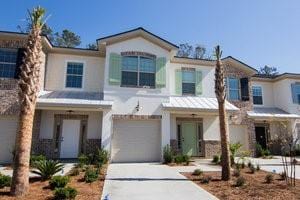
47, 168
91, 175
257, 167
101, 157
249, 164
167, 154
269, 178
206, 179
178, 159
186, 159
59, 181
261, 152
83, 160
5, 181
240, 181
36, 158
236, 173
234, 148
65, 193
197, 172
216, 159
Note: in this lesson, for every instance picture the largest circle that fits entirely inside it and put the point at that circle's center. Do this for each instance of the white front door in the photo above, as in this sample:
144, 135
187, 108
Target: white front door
70, 139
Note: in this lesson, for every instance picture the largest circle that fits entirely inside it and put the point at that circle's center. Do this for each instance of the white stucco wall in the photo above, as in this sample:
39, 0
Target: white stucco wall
93, 72
283, 96
267, 93
238, 133
93, 130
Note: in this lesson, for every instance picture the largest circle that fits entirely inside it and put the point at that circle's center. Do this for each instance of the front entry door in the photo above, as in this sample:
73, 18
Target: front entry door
189, 138
260, 134
70, 139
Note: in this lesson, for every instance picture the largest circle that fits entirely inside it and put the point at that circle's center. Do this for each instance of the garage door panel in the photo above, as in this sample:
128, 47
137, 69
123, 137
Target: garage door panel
7, 138
136, 141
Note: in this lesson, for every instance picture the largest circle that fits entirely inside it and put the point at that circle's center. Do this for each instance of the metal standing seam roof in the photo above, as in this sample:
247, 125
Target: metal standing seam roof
270, 112
72, 98
199, 103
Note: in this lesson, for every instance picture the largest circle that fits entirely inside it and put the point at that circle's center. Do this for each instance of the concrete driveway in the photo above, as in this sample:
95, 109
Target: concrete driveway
149, 181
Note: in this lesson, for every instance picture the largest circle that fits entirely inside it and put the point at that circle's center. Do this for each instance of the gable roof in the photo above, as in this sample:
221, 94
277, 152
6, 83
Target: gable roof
137, 32
241, 64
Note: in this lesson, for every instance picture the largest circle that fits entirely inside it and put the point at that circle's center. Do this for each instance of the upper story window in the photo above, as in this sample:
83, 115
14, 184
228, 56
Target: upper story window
8, 59
257, 95
233, 89
188, 82
74, 75
296, 93
138, 71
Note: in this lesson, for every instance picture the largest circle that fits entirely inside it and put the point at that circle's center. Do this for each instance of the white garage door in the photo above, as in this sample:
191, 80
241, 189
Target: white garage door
136, 141
8, 128
238, 133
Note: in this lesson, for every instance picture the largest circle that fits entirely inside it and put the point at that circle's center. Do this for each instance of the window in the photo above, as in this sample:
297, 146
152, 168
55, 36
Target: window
74, 75
233, 89
8, 59
138, 71
296, 93
257, 95
188, 81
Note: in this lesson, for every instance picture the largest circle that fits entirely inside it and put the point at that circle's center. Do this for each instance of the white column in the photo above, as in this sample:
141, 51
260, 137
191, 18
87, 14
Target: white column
106, 130
165, 129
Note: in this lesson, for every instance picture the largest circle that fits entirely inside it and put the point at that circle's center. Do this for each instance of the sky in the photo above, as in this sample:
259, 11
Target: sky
257, 32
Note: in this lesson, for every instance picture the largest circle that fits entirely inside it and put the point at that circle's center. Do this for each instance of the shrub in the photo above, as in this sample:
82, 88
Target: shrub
59, 181
269, 178
252, 169
101, 157
216, 159
250, 164
240, 181
47, 168
178, 159
74, 172
65, 193
261, 152
5, 181
236, 173
186, 159
197, 172
257, 167
83, 160
206, 179
36, 158
282, 175
234, 148
91, 175
168, 154
243, 165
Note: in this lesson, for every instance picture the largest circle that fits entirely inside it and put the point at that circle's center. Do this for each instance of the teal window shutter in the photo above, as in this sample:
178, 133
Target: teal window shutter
115, 64
198, 82
160, 76
178, 82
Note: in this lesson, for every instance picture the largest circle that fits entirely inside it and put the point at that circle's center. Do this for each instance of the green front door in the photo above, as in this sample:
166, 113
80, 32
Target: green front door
189, 138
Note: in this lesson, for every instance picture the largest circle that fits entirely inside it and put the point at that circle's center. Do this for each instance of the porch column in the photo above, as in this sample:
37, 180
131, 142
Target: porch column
106, 135
165, 129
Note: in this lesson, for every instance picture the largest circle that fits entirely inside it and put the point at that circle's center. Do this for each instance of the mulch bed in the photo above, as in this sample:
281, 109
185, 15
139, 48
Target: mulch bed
40, 189
255, 188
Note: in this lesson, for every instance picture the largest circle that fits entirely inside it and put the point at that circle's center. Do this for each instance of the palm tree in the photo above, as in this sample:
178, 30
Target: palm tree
29, 87
221, 97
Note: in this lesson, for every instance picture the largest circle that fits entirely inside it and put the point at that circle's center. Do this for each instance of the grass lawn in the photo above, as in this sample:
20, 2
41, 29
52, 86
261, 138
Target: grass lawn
254, 188
40, 189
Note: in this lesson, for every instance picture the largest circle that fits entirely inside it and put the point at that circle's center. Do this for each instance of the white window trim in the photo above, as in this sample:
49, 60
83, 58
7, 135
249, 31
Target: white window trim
262, 95
83, 75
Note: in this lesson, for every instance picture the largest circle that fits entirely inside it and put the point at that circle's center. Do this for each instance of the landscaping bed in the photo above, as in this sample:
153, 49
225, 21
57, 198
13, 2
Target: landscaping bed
255, 186
40, 189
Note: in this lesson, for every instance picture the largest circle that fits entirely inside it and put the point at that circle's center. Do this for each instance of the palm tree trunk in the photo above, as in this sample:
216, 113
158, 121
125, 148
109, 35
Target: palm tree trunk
224, 143
29, 88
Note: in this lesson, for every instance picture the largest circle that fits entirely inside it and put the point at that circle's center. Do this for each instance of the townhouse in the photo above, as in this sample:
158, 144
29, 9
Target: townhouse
133, 96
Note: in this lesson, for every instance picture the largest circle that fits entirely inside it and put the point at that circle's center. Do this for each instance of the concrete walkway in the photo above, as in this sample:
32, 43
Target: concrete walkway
149, 181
